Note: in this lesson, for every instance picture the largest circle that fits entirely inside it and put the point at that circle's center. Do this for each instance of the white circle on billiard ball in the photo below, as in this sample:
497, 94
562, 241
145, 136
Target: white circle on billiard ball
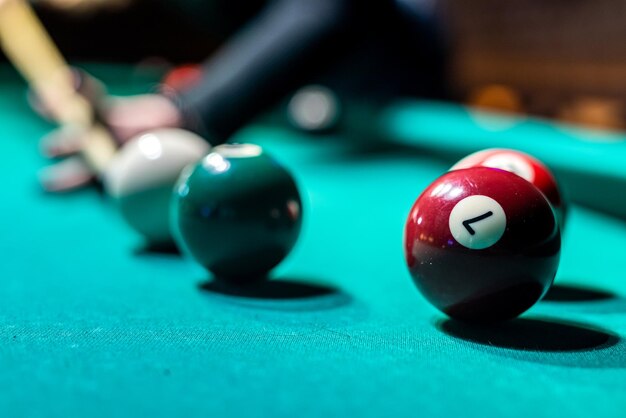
512, 163
502, 159
477, 222
238, 150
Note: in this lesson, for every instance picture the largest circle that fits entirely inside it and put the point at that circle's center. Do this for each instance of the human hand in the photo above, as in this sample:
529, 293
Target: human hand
125, 117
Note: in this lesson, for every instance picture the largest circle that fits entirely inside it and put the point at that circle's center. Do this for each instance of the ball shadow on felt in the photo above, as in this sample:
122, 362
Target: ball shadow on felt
151, 249
585, 300
284, 293
573, 293
543, 340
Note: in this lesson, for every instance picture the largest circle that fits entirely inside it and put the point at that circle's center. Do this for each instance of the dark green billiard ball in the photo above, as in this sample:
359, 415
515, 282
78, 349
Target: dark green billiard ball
237, 212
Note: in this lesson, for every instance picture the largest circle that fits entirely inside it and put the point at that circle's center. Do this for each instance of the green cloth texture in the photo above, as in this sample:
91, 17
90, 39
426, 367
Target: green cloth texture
92, 324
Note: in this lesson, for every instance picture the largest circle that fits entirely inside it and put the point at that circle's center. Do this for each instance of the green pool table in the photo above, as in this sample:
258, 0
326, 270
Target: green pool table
93, 323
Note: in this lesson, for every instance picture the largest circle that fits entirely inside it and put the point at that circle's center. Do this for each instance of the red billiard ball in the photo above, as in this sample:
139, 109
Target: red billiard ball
482, 244
525, 166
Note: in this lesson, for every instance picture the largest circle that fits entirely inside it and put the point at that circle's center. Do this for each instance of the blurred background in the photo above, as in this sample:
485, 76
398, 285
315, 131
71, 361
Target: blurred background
553, 58
561, 59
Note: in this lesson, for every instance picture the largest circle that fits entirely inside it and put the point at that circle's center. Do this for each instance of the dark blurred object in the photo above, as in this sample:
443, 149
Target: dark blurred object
554, 53
140, 29
218, 18
84, 7
367, 51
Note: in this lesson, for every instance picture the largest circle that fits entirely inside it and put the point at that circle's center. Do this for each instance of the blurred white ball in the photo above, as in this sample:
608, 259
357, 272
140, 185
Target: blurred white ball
141, 176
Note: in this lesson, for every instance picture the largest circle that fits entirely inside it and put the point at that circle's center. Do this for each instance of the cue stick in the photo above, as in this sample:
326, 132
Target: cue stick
33, 53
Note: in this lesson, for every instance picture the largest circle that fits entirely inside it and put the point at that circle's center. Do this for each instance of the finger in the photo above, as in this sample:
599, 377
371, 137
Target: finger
63, 141
67, 175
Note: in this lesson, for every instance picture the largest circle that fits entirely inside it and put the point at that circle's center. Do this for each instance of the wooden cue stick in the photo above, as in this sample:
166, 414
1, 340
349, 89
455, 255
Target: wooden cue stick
31, 50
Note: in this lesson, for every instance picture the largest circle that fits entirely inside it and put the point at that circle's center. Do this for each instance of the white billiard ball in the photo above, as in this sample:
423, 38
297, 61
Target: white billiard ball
314, 108
142, 174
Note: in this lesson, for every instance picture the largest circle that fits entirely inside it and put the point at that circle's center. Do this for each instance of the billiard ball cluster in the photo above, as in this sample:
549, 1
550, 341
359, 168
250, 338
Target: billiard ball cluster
525, 166
482, 242
233, 208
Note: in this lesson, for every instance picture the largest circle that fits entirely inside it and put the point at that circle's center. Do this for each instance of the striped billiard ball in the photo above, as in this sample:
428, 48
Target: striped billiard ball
525, 166
482, 244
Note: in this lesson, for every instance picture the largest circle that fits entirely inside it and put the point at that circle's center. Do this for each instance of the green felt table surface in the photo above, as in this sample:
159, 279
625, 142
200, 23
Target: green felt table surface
92, 324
